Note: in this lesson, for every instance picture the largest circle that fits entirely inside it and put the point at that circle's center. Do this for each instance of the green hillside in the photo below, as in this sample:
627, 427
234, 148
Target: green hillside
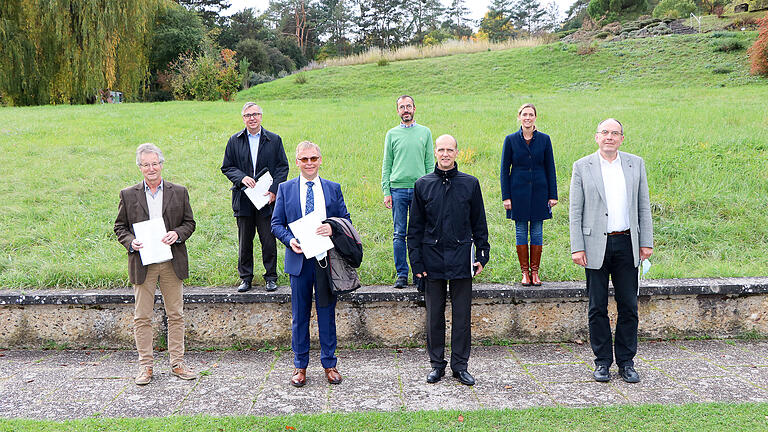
669, 61
703, 135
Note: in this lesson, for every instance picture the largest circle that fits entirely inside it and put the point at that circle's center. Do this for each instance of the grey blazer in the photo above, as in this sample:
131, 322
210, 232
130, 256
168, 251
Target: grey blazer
589, 212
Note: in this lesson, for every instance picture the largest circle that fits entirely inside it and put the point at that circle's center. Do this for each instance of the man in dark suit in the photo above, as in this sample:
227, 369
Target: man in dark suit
155, 198
296, 198
611, 233
248, 153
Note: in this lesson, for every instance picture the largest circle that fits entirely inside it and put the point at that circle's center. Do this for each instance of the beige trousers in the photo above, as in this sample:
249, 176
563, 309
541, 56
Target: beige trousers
161, 274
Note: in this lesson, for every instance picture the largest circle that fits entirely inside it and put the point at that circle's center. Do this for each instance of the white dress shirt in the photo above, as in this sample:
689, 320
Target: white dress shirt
615, 194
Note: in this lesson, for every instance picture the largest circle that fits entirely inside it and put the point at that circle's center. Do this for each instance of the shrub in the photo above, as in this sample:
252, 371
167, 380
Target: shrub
382, 62
182, 71
301, 78
727, 44
228, 77
674, 8
721, 34
257, 78
747, 23
586, 49
204, 77
722, 70
758, 52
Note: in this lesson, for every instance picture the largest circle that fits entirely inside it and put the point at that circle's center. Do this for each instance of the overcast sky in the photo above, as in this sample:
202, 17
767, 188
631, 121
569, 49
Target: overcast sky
476, 7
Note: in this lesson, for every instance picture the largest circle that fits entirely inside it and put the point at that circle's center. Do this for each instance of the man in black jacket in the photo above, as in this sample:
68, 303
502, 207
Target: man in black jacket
248, 153
447, 217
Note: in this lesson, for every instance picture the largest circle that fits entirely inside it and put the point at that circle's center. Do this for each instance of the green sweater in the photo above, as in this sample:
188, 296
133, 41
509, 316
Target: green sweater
408, 155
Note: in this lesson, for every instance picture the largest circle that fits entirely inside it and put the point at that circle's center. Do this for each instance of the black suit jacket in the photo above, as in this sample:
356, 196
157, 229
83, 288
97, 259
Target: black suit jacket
177, 215
238, 164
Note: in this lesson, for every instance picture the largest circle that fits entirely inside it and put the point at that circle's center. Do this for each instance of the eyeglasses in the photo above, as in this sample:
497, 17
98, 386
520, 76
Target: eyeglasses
308, 159
153, 165
611, 133
251, 115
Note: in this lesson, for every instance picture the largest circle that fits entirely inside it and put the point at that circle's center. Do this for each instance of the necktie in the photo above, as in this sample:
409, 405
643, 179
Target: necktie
310, 207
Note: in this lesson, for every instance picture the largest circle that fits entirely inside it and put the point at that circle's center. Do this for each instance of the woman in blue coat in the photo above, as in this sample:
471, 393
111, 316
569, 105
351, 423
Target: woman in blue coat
528, 189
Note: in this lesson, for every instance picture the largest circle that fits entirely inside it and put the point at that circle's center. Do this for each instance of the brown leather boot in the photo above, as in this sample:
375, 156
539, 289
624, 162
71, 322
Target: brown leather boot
535, 261
522, 256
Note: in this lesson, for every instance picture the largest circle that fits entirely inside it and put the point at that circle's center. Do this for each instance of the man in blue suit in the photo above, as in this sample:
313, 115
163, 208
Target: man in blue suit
296, 198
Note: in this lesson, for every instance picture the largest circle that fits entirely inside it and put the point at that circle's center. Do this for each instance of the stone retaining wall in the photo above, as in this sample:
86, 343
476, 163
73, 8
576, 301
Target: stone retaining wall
219, 317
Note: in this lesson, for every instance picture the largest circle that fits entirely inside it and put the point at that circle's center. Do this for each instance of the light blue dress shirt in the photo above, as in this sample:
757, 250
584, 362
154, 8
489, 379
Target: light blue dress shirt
253, 142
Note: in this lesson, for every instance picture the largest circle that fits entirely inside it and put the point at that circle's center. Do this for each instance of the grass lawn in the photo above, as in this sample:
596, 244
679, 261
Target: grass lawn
678, 418
704, 137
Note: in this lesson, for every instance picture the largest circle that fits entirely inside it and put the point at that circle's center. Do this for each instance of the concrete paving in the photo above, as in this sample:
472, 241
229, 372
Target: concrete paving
84, 383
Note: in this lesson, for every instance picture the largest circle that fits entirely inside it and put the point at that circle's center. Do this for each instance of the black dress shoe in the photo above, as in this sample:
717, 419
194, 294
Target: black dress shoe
602, 374
629, 374
401, 282
464, 377
271, 286
435, 375
244, 286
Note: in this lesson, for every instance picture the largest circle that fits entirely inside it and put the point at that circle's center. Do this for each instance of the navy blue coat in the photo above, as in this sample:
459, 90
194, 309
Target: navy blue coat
528, 176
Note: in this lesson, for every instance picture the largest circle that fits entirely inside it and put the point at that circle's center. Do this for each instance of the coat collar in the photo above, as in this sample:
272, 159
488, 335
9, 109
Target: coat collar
447, 174
244, 134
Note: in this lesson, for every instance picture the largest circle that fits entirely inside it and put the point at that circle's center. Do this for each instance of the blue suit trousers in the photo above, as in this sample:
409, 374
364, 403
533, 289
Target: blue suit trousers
301, 309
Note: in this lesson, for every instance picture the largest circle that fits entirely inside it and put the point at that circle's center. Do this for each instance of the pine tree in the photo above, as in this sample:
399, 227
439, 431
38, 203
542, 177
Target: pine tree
458, 13
528, 15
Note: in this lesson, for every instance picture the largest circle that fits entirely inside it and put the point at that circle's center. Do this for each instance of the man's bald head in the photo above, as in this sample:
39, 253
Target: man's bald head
448, 140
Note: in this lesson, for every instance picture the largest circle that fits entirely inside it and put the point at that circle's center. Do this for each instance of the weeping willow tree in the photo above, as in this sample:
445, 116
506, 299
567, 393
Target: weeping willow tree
64, 51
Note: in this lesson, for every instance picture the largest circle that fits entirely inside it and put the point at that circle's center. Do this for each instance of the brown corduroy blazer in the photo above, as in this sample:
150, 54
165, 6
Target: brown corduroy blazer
177, 215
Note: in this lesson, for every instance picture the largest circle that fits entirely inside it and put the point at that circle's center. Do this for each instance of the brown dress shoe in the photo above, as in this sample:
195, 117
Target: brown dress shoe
535, 261
299, 377
183, 372
522, 257
333, 375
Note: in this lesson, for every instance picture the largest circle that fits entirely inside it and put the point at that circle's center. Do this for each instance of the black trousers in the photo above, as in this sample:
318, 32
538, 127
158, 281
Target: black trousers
619, 264
247, 226
461, 317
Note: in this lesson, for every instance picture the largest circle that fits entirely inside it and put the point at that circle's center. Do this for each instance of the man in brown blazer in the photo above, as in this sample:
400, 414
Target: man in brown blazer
150, 199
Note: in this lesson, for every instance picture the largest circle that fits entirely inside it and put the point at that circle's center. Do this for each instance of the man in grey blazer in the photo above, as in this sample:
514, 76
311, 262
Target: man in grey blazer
611, 233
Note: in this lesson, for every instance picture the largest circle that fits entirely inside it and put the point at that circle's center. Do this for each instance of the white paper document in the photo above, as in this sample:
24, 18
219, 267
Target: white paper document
256, 194
150, 233
304, 231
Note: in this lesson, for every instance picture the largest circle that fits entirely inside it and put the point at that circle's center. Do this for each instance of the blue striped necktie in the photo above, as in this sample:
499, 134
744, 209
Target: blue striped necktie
310, 198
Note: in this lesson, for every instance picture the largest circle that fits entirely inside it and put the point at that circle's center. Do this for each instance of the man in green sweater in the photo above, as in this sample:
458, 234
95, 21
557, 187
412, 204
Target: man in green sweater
408, 155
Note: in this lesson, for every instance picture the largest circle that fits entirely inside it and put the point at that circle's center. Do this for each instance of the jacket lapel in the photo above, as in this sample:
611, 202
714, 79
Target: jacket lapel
167, 195
297, 206
326, 196
597, 175
141, 196
262, 144
629, 177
